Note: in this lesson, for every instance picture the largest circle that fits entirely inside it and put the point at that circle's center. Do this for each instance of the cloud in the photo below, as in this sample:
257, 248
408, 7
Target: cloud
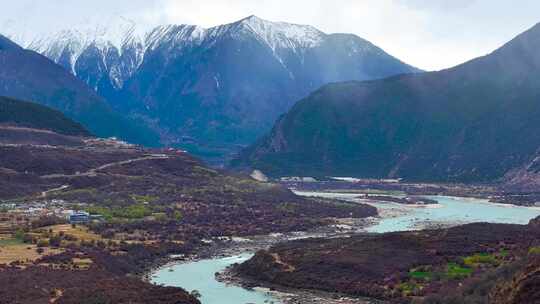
436, 5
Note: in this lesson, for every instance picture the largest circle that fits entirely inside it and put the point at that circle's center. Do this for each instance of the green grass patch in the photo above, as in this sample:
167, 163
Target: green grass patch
455, 271
10, 242
504, 253
99, 210
137, 211
421, 275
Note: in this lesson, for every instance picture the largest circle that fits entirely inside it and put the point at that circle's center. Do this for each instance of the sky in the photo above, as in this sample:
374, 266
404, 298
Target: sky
429, 34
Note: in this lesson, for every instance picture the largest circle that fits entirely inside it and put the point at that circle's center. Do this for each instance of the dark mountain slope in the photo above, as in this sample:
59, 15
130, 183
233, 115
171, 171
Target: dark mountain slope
6, 44
226, 89
27, 114
473, 122
30, 76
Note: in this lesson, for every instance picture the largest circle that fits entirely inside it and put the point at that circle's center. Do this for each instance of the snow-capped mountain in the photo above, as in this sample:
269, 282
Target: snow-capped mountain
213, 89
118, 49
101, 54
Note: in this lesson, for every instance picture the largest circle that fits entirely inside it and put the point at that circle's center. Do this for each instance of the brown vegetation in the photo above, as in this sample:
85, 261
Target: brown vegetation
154, 203
399, 266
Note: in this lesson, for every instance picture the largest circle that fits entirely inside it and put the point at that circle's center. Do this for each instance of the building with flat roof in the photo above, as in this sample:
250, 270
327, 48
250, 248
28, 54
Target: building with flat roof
79, 217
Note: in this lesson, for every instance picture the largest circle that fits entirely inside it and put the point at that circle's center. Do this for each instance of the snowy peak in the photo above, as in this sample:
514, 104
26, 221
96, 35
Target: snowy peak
119, 35
174, 35
117, 46
113, 50
274, 34
282, 34
55, 46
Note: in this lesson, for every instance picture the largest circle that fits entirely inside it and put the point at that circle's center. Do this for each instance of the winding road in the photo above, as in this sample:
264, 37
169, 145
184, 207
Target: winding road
94, 171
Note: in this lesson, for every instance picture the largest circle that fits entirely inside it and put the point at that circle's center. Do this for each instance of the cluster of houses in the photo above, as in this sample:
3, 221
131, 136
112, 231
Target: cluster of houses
53, 207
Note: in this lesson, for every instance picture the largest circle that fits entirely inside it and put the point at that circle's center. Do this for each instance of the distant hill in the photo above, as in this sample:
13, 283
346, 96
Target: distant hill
28, 75
213, 90
32, 115
473, 122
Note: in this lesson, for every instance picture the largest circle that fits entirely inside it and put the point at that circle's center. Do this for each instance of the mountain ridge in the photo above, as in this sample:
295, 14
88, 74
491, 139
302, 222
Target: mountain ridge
213, 91
274, 34
458, 124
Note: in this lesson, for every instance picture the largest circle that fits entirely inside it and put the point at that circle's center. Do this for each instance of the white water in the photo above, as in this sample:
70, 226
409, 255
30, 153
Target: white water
200, 275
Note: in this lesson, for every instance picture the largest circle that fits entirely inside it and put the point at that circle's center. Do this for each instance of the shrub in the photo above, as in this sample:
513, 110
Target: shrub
480, 258
178, 215
534, 250
43, 243
55, 241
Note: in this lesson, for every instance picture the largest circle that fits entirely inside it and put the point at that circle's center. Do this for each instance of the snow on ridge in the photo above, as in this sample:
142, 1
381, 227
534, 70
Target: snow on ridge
274, 34
173, 35
72, 42
123, 34
105, 35
118, 36
283, 34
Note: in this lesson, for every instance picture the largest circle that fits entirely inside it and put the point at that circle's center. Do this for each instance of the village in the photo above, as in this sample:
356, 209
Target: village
33, 230
15, 214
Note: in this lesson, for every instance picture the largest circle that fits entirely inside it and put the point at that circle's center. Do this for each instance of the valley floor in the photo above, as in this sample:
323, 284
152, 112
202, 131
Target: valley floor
138, 207
144, 206
423, 266
350, 229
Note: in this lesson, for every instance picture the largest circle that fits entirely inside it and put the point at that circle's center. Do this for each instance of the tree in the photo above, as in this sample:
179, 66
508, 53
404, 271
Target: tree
55, 241
177, 215
19, 234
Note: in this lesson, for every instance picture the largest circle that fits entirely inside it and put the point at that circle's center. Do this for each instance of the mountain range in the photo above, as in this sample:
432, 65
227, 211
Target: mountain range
474, 122
212, 90
27, 75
